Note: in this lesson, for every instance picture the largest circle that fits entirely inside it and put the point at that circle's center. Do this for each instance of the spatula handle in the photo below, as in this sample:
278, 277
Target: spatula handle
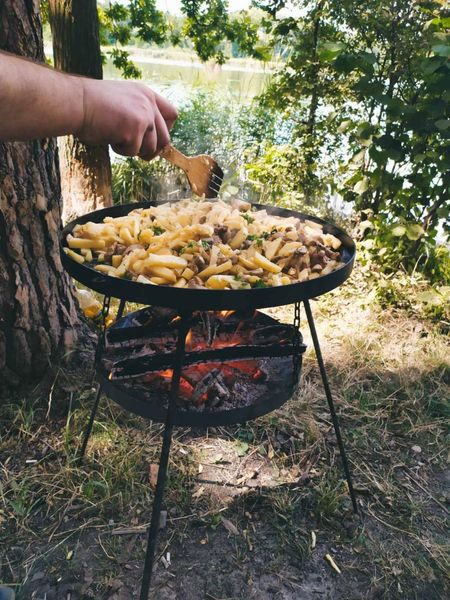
175, 157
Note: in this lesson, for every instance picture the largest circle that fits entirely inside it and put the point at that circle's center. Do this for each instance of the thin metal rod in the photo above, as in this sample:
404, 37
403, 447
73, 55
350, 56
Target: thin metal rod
87, 433
121, 308
164, 458
98, 352
334, 416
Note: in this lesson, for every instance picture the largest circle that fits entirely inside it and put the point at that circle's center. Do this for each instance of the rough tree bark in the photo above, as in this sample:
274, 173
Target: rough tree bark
38, 313
85, 170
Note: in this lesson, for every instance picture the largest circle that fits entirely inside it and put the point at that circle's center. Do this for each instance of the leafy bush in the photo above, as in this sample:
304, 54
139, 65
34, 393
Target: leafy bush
368, 86
135, 180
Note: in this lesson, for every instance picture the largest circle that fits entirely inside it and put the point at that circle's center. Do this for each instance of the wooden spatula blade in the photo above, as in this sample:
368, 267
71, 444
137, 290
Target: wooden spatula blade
204, 174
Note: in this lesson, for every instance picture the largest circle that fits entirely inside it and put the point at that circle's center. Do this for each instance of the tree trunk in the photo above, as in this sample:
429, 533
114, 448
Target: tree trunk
38, 313
85, 170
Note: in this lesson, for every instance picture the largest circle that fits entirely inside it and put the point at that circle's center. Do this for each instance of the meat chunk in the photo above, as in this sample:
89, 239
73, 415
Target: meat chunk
199, 262
195, 282
223, 232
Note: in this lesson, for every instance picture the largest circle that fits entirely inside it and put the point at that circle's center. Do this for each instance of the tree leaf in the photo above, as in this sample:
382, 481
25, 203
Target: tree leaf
361, 186
414, 231
441, 49
329, 50
344, 126
442, 124
398, 230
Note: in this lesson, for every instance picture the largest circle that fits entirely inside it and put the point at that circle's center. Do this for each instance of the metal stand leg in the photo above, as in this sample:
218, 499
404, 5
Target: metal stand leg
334, 416
98, 352
87, 433
121, 308
164, 458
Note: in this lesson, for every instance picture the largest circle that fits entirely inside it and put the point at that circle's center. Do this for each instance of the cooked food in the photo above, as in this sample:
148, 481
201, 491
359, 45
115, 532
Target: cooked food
200, 244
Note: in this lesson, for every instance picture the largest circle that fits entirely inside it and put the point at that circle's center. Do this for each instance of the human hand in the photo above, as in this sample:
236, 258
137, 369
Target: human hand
131, 117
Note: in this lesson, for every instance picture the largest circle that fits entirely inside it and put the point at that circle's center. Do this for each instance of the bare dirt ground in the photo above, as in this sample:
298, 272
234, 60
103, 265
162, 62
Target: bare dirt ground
252, 511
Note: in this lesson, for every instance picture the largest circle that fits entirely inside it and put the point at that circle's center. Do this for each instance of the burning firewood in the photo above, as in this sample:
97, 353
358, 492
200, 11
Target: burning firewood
211, 387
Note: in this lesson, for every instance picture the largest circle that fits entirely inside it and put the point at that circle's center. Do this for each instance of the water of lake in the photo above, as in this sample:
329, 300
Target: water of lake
175, 80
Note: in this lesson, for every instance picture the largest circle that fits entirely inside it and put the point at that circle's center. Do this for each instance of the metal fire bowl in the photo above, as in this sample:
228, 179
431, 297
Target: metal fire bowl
143, 400
201, 299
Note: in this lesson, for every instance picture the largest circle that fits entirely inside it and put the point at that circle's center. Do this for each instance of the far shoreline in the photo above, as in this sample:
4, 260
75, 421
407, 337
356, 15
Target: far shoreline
149, 56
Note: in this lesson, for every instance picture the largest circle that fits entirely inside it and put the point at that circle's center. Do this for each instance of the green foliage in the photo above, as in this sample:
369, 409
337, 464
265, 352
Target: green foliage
411, 293
368, 86
209, 122
120, 23
121, 60
208, 25
150, 23
400, 169
135, 180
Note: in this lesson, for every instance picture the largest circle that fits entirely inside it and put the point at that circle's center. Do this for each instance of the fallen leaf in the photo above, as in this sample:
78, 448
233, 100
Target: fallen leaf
199, 492
153, 474
69, 555
241, 448
332, 564
229, 526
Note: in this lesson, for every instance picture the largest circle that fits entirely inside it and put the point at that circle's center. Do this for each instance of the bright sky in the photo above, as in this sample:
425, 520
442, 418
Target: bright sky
173, 6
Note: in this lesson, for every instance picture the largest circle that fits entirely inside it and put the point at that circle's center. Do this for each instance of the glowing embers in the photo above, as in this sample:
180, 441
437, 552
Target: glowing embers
212, 383
232, 359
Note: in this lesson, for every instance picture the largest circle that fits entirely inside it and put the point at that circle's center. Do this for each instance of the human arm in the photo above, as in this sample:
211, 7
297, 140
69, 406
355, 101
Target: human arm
37, 101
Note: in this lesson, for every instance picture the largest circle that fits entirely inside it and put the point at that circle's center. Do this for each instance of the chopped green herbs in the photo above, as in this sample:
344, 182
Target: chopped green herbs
157, 230
260, 284
258, 239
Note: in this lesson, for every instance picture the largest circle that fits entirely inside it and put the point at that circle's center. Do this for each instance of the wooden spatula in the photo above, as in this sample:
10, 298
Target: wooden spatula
204, 174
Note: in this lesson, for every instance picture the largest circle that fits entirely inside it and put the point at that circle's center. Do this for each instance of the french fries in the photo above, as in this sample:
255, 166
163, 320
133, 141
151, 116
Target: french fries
265, 264
85, 243
165, 260
212, 245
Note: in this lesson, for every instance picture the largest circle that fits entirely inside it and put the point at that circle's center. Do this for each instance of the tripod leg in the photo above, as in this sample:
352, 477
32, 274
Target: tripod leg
164, 460
121, 309
87, 433
334, 416
98, 352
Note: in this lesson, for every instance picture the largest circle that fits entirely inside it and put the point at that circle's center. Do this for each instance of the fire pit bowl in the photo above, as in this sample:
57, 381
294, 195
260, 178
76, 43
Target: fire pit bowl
236, 367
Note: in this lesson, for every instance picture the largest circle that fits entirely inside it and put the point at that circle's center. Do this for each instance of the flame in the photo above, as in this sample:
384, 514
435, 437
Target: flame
192, 375
226, 313
168, 373
110, 376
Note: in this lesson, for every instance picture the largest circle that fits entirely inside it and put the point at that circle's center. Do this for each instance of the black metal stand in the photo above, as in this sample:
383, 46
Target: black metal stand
98, 351
164, 458
334, 416
171, 411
